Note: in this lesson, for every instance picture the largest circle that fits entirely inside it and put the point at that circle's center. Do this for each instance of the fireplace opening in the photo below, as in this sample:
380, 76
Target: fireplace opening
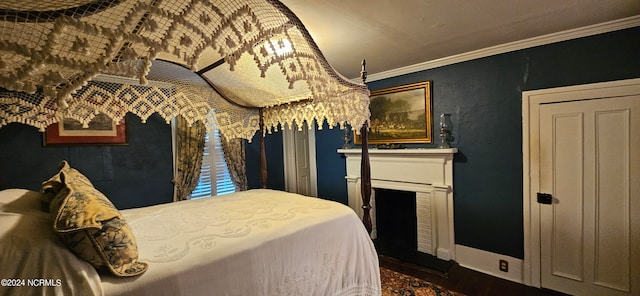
396, 224
396, 220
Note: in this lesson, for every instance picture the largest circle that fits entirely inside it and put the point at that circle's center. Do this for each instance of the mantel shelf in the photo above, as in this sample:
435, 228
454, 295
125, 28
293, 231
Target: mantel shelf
415, 151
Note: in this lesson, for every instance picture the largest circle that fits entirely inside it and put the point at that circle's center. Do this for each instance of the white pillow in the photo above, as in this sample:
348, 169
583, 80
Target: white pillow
31, 250
20, 199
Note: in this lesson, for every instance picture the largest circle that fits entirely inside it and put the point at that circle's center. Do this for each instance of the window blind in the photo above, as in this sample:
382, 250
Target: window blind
214, 175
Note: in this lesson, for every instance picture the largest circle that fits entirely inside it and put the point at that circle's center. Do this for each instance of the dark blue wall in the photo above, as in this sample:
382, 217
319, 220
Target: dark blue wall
275, 162
133, 175
331, 166
484, 97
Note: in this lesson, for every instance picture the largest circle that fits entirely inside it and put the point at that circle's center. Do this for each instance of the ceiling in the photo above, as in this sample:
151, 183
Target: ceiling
392, 34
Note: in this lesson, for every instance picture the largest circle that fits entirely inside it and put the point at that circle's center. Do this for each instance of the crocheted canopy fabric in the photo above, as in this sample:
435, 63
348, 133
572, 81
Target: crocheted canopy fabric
80, 58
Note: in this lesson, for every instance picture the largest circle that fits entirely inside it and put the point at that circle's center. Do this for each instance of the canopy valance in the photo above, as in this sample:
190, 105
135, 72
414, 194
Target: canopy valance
78, 58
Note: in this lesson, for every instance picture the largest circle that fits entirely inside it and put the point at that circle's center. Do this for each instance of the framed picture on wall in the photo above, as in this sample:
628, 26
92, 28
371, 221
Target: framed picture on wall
102, 130
401, 114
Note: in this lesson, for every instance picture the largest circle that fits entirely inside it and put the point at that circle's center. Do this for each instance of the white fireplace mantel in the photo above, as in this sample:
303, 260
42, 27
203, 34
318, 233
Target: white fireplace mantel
427, 172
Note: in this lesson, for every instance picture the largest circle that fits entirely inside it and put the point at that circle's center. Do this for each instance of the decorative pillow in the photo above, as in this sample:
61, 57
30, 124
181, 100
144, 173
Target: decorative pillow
51, 187
90, 225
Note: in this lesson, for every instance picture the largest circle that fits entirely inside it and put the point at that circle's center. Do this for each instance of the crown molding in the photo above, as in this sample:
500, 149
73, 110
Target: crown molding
605, 27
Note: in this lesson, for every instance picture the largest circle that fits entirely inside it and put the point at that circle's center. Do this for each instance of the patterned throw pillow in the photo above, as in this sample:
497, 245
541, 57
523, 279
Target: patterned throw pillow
51, 187
90, 225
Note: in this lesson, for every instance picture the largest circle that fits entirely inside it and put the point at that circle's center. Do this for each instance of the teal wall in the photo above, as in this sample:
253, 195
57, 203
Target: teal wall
331, 166
484, 97
275, 161
133, 175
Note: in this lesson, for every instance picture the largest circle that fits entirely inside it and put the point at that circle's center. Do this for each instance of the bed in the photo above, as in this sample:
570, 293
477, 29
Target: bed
256, 242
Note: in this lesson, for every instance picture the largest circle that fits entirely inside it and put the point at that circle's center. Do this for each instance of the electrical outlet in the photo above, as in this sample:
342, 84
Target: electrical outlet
504, 265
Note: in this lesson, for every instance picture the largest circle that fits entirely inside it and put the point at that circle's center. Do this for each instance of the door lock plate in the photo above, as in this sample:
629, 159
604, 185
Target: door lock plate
545, 198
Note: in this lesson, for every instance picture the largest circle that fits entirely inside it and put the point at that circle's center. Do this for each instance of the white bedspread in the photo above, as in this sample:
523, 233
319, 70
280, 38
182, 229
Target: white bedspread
257, 242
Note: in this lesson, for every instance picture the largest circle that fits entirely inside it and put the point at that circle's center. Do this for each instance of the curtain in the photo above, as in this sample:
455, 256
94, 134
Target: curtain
234, 155
189, 150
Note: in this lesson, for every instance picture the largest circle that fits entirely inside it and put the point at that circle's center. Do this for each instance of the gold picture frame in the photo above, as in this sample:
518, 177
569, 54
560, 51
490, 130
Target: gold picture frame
401, 115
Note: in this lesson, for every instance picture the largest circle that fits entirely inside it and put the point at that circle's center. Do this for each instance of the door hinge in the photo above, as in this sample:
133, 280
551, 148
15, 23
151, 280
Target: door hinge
545, 198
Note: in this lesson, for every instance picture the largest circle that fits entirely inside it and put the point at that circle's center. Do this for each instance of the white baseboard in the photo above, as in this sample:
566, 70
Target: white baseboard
487, 262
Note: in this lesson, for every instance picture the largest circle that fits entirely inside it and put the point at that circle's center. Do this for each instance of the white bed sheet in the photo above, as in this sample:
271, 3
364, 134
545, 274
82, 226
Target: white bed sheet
33, 260
256, 242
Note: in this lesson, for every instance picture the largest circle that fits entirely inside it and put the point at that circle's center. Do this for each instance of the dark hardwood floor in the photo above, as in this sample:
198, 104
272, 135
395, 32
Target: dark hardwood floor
464, 280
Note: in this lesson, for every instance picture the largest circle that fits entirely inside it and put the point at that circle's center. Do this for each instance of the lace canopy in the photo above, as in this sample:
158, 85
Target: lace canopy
217, 61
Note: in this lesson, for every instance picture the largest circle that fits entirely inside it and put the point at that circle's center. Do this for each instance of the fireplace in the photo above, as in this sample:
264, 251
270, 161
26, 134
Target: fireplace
396, 221
427, 173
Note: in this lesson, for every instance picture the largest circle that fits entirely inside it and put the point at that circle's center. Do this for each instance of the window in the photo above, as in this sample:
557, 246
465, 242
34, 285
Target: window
214, 175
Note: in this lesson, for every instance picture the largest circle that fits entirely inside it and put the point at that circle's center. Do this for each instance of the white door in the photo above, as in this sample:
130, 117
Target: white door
590, 164
303, 169
299, 160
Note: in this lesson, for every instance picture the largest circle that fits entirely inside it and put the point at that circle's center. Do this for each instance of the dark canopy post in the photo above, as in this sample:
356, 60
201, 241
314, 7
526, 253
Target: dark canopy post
365, 169
263, 154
